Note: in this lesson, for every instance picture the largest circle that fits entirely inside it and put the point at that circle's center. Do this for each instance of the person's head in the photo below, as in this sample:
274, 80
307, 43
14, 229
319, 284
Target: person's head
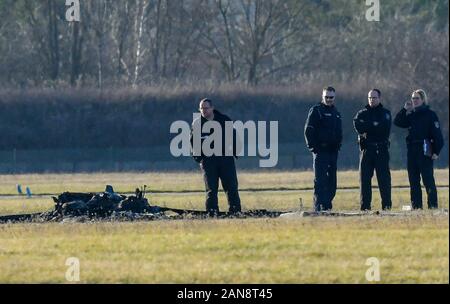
374, 97
328, 96
206, 108
418, 98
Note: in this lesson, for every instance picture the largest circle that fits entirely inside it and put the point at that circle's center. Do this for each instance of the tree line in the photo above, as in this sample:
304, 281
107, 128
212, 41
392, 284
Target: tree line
119, 76
135, 43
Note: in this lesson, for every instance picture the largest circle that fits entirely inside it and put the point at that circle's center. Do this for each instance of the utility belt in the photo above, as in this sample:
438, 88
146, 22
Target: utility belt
426, 145
374, 145
380, 144
415, 142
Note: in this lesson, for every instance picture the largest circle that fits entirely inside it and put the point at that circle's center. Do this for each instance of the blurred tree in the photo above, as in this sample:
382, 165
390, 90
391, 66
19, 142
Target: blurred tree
158, 42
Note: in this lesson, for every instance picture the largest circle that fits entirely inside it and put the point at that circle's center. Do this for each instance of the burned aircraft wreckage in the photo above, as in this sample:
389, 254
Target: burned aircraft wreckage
109, 205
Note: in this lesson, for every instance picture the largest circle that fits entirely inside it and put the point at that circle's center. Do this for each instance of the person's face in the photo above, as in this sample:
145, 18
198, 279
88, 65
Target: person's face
416, 100
374, 99
206, 109
328, 98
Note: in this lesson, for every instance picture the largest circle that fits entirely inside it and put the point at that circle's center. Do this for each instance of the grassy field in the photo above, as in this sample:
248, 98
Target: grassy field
411, 249
272, 200
183, 181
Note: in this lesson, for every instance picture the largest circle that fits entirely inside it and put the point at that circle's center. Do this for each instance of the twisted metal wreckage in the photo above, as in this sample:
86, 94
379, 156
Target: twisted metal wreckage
109, 205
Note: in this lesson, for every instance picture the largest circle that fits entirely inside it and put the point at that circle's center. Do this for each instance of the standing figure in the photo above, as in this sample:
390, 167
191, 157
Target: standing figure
215, 167
424, 143
373, 125
323, 136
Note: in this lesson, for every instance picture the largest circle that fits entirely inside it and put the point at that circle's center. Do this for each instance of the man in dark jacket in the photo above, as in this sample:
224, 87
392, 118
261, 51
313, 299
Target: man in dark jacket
373, 125
214, 166
424, 143
323, 136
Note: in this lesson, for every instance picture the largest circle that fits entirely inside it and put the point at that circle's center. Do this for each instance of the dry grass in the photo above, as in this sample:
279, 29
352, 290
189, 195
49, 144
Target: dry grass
183, 181
413, 249
272, 200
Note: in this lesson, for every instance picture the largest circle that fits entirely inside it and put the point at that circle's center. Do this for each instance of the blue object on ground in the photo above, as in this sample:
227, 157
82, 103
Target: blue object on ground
19, 189
28, 191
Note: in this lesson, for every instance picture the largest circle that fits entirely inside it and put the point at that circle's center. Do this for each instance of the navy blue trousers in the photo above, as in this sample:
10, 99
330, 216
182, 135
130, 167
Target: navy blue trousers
325, 179
375, 158
220, 168
419, 166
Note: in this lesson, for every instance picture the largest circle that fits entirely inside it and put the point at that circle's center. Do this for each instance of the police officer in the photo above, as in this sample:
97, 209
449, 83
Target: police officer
323, 136
424, 142
373, 125
216, 167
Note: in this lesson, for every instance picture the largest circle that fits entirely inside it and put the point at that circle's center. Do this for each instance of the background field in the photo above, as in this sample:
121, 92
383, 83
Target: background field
100, 96
411, 249
185, 181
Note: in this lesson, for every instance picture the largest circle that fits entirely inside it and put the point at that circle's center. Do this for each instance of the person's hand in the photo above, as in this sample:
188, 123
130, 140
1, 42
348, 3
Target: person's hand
408, 106
434, 156
364, 135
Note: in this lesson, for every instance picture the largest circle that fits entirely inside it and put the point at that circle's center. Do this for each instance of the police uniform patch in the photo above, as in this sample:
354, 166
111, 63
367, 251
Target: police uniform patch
436, 124
388, 117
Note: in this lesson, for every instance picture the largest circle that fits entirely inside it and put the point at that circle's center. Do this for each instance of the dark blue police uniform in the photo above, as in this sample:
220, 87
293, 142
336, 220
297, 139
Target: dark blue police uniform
424, 133
323, 136
375, 123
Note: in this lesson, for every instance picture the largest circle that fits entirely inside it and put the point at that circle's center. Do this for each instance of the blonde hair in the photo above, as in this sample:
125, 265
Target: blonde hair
423, 95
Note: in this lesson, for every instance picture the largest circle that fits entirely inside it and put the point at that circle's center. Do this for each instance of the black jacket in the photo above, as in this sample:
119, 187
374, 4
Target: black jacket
422, 123
220, 118
375, 122
323, 129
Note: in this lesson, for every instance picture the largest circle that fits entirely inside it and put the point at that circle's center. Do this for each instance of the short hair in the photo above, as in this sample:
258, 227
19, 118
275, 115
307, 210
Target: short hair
376, 90
329, 89
207, 100
422, 94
